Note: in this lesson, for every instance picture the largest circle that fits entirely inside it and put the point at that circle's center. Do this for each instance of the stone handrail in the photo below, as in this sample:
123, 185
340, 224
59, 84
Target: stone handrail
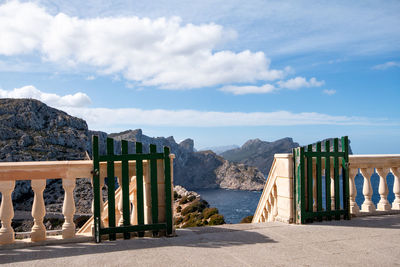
277, 197
38, 172
276, 202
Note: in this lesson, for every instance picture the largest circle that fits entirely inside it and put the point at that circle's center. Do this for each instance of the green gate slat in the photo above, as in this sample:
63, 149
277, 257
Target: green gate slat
328, 179
125, 188
319, 179
168, 191
345, 175
139, 188
336, 176
302, 184
96, 188
111, 187
153, 181
309, 182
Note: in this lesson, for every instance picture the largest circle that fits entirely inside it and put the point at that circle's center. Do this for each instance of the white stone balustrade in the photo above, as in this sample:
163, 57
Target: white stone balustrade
382, 165
38, 173
279, 206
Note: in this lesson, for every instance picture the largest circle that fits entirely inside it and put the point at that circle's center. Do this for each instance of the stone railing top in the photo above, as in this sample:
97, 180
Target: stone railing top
374, 161
283, 155
34, 170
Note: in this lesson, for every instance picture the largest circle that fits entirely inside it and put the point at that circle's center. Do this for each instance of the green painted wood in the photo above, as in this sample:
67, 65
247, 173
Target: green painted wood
319, 179
324, 154
133, 228
154, 189
125, 188
309, 182
139, 188
336, 175
131, 157
168, 191
345, 174
96, 188
111, 187
302, 184
328, 178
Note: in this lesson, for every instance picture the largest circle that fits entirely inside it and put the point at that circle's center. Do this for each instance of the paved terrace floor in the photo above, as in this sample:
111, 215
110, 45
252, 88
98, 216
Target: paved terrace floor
366, 241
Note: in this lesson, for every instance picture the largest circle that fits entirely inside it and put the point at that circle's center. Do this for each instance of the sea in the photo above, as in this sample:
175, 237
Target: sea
237, 204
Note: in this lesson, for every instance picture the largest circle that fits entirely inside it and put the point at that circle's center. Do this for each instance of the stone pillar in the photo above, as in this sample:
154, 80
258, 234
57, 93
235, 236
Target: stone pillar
38, 211
368, 205
383, 204
6, 212
354, 209
396, 188
68, 228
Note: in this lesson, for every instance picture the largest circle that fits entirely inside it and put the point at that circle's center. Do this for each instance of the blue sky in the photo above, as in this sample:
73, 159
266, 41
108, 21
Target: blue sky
220, 72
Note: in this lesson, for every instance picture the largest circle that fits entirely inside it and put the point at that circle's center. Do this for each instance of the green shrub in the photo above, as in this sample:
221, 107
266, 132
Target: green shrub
191, 198
195, 206
247, 219
178, 209
208, 212
183, 200
194, 221
216, 219
176, 195
178, 220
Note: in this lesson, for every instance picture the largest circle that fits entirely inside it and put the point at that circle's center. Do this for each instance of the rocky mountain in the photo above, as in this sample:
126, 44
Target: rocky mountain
220, 149
199, 170
259, 153
33, 131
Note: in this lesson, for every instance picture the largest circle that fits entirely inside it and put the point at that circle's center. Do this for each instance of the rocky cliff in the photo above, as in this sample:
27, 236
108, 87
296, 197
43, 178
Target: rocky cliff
260, 153
199, 170
33, 131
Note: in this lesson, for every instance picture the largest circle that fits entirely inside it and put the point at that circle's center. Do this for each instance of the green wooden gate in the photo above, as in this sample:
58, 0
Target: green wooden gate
124, 158
309, 207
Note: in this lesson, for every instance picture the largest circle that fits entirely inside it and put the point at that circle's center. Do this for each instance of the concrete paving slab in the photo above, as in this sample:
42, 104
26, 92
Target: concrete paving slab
364, 241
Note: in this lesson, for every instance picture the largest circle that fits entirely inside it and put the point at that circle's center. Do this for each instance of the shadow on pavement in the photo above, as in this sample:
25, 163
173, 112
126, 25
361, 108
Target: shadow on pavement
382, 221
206, 237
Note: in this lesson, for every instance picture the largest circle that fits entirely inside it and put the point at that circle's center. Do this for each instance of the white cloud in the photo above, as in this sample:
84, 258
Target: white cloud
29, 91
106, 118
384, 66
300, 82
243, 90
161, 52
90, 78
329, 91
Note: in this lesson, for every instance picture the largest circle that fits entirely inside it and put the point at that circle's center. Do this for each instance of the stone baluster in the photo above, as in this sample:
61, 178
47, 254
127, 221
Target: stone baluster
161, 190
368, 205
396, 188
314, 188
68, 228
147, 193
271, 202
264, 215
332, 188
354, 209
38, 211
6, 212
120, 204
102, 215
383, 204
133, 198
268, 211
275, 196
